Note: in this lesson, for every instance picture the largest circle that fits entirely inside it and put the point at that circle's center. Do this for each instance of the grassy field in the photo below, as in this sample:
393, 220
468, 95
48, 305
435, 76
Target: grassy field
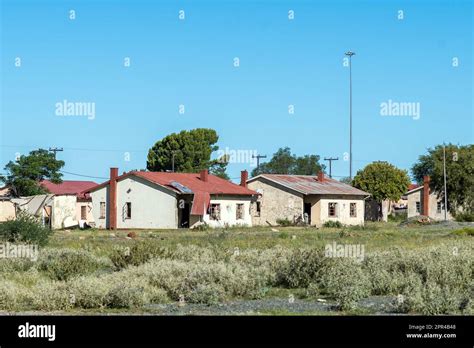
262, 271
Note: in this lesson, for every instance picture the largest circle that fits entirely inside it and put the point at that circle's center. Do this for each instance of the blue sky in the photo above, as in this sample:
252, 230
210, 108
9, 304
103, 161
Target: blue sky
190, 62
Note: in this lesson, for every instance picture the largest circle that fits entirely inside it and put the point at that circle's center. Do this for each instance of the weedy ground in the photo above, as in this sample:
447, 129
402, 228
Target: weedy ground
408, 269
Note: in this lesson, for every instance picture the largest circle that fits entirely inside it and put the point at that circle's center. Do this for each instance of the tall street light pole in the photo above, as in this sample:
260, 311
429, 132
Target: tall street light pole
350, 54
445, 191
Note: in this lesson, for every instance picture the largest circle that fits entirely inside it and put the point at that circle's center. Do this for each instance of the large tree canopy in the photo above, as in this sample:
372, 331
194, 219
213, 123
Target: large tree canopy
23, 175
284, 162
191, 151
383, 181
459, 174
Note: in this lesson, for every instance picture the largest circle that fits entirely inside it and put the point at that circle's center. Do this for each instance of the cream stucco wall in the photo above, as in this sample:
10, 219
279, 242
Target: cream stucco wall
417, 196
229, 212
63, 207
275, 203
152, 205
7, 210
342, 211
89, 216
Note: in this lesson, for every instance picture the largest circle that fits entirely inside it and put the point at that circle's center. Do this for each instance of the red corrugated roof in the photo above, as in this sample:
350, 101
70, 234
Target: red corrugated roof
192, 181
309, 185
412, 187
68, 187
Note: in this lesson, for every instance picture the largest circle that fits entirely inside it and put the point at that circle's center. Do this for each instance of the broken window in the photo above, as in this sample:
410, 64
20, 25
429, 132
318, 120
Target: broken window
102, 210
418, 207
353, 209
438, 207
239, 213
215, 213
258, 209
128, 210
83, 212
332, 209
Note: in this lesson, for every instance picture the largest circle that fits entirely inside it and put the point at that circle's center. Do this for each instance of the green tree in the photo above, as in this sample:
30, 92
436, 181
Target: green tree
191, 151
383, 181
218, 167
23, 175
284, 162
459, 174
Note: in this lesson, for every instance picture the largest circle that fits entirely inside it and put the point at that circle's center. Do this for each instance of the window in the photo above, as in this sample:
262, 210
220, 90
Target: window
332, 209
418, 207
102, 210
215, 212
128, 210
239, 213
83, 212
438, 207
353, 209
258, 209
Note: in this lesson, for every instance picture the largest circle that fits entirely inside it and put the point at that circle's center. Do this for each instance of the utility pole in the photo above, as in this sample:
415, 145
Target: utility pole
258, 159
55, 149
350, 54
173, 152
330, 159
445, 191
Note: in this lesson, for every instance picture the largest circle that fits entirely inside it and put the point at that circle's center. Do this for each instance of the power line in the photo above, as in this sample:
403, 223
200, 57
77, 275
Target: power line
83, 175
330, 159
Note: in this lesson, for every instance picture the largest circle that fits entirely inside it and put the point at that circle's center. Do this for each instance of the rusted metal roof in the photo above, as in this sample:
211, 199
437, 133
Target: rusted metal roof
310, 185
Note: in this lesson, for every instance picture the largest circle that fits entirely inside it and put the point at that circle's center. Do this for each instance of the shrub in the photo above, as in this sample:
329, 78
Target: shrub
137, 254
19, 264
50, 296
284, 222
332, 224
301, 268
9, 296
344, 280
465, 217
25, 228
63, 264
466, 231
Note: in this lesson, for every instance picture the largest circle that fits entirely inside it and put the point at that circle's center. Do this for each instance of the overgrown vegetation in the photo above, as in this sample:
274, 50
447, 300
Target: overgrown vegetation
24, 229
425, 278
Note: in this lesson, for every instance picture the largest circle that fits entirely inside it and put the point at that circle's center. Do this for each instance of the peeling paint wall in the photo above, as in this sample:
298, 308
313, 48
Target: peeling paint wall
275, 203
228, 214
63, 207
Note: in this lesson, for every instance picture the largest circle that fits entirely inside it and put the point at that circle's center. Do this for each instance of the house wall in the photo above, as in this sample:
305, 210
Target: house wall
229, 212
89, 215
417, 196
152, 205
7, 210
63, 207
321, 209
275, 202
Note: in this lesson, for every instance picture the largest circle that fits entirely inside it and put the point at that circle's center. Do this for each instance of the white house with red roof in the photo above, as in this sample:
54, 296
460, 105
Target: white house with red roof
68, 205
156, 200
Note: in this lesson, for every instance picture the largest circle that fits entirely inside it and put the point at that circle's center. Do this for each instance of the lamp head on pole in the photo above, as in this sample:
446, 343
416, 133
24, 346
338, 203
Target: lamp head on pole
349, 53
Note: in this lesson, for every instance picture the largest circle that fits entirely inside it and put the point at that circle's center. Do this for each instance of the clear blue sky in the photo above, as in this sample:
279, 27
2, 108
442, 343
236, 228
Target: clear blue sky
190, 62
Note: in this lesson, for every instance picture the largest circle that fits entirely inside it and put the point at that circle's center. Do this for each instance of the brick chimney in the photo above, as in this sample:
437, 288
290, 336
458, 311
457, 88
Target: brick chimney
112, 206
426, 195
244, 176
204, 175
321, 176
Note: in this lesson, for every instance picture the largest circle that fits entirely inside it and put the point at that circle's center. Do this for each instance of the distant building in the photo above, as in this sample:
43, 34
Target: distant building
313, 199
155, 200
420, 201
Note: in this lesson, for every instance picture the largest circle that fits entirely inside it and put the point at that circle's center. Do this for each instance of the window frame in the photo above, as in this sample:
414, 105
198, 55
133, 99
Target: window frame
128, 210
418, 207
334, 215
239, 208
353, 209
213, 208
102, 210
83, 212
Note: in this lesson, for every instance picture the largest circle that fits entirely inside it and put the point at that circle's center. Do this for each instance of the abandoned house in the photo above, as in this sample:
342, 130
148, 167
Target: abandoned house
312, 199
421, 201
141, 199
